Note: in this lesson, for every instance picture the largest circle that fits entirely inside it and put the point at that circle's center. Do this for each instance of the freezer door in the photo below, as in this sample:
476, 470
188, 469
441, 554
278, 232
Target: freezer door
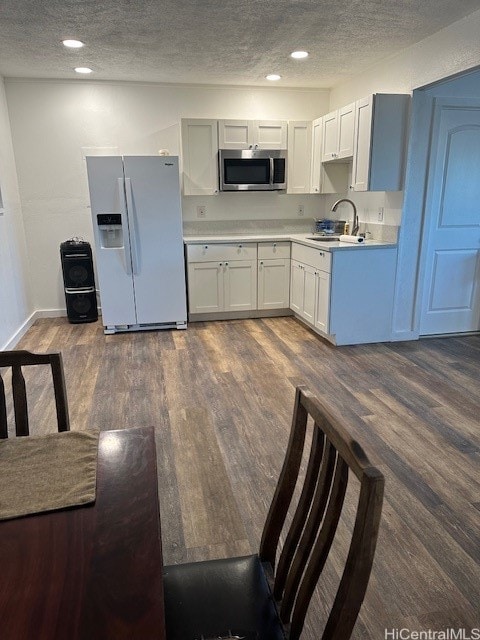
155, 219
112, 246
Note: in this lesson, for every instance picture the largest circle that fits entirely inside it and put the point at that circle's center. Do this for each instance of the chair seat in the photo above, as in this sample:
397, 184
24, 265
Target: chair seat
216, 598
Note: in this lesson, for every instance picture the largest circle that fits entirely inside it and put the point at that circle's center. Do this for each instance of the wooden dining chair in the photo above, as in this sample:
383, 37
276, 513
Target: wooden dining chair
255, 598
16, 360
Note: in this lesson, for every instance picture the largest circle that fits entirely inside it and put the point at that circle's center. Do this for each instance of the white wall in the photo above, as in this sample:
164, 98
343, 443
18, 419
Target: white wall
53, 120
450, 51
15, 307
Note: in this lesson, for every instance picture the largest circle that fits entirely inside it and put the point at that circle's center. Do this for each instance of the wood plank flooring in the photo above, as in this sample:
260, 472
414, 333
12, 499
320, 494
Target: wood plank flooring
221, 395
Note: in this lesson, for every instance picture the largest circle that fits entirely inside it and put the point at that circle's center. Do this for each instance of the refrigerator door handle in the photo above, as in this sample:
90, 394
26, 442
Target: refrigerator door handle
126, 232
131, 224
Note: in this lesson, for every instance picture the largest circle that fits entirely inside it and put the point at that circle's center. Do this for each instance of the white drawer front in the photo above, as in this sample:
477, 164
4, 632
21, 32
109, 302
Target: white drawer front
317, 258
234, 251
272, 250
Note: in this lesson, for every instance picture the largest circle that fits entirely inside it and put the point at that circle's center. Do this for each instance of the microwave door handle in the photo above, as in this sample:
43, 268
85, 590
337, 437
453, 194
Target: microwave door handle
271, 170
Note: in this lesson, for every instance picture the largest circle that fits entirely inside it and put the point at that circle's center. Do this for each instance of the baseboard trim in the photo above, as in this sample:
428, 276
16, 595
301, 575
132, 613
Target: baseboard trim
29, 322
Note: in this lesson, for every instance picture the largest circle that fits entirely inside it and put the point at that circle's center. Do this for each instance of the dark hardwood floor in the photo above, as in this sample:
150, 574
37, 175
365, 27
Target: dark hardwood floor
221, 395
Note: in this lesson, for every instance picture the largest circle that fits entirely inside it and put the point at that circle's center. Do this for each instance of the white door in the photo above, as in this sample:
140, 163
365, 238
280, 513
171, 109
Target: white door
451, 245
273, 283
156, 238
240, 285
205, 287
112, 246
315, 178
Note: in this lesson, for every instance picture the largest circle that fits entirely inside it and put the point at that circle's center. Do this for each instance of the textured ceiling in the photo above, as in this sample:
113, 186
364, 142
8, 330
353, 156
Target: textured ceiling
214, 41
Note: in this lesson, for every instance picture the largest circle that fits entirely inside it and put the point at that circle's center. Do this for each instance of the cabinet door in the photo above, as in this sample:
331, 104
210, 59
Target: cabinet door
310, 286
315, 178
240, 285
299, 156
200, 157
322, 300
270, 134
346, 127
330, 136
297, 287
273, 284
361, 156
205, 287
235, 134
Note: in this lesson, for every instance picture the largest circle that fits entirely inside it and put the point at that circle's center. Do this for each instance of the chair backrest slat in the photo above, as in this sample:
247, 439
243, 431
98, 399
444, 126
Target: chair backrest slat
321, 548
3, 411
301, 512
286, 484
309, 535
16, 360
19, 401
308, 542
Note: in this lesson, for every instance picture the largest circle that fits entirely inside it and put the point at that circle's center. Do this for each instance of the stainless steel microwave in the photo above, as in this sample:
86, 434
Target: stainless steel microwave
252, 169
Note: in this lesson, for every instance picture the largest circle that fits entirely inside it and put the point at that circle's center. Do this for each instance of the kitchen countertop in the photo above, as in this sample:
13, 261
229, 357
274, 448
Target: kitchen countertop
301, 238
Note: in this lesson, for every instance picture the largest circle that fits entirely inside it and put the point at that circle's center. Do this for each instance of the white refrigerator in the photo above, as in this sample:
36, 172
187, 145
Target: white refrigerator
137, 224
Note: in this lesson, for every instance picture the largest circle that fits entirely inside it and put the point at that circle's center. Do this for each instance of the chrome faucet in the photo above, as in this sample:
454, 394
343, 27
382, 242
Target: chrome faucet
355, 215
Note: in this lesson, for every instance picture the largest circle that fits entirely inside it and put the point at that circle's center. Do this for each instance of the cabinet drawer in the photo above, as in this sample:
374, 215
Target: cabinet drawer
231, 251
272, 250
317, 258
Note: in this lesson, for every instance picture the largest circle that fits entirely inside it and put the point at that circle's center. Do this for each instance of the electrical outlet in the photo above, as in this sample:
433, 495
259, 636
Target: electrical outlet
301, 210
201, 211
380, 214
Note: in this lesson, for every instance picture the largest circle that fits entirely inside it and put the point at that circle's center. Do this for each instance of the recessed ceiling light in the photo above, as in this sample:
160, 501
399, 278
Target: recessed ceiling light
73, 44
298, 55
273, 76
83, 70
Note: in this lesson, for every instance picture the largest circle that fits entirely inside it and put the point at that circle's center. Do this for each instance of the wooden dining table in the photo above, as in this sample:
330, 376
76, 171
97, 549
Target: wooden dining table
95, 571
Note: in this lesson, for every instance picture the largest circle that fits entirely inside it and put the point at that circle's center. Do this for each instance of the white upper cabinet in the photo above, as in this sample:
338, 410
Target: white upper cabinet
338, 134
315, 178
346, 127
379, 146
252, 134
200, 157
329, 177
329, 136
299, 156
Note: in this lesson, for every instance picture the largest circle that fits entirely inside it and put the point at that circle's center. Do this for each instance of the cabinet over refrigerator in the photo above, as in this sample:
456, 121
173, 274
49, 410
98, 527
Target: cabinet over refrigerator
137, 224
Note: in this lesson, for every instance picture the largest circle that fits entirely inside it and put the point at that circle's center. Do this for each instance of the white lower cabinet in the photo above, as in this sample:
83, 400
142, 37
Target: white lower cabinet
240, 285
222, 277
273, 275
310, 294
205, 286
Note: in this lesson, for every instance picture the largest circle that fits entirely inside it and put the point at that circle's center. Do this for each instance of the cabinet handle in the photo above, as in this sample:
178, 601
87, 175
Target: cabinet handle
321, 253
220, 264
274, 244
240, 246
261, 261
226, 264
250, 146
206, 246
